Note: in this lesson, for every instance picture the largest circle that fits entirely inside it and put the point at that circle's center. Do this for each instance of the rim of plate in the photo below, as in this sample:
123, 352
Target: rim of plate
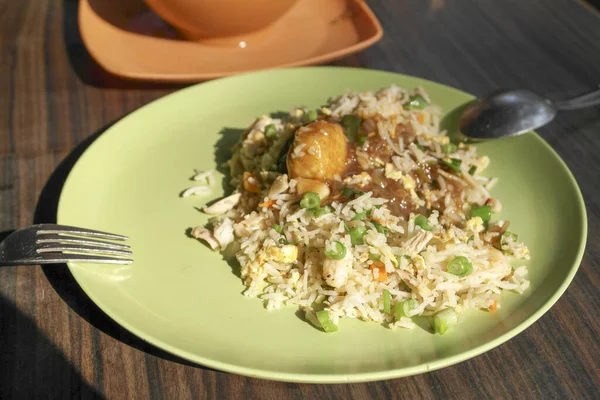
355, 377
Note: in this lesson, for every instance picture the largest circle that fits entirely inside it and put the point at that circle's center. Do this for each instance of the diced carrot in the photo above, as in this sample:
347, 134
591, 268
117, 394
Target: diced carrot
382, 274
268, 203
494, 306
248, 185
421, 118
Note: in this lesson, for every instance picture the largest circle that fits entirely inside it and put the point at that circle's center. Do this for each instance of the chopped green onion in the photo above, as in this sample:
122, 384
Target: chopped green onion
278, 229
420, 147
310, 201
359, 216
471, 239
323, 317
311, 115
453, 164
449, 148
444, 320
381, 229
403, 307
473, 169
338, 252
387, 301
356, 235
416, 101
422, 221
348, 191
346, 228
397, 261
285, 241
460, 266
483, 212
270, 131
374, 257
322, 211
351, 123
361, 139
509, 235
369, 212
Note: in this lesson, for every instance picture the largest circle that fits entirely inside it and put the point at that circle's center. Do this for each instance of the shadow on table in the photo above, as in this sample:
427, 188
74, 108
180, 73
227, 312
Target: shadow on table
86, 68
60, 276
32, 367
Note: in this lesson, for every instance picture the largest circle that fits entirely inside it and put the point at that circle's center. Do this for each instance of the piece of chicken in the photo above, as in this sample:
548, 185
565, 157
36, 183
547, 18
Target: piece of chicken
319, 152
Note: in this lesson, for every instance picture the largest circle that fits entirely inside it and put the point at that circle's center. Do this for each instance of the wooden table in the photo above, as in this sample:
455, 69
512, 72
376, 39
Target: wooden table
54, 342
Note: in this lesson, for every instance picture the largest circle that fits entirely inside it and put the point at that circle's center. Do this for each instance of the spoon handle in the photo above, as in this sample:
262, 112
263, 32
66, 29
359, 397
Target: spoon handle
586, 100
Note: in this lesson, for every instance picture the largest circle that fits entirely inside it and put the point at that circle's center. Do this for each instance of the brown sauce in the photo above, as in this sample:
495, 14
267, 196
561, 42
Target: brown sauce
378, 153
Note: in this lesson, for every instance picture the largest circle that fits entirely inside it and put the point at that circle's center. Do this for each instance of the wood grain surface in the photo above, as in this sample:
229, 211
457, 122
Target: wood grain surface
54, 100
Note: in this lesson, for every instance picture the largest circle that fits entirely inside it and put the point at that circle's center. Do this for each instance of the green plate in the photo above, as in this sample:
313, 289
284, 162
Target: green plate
187, 300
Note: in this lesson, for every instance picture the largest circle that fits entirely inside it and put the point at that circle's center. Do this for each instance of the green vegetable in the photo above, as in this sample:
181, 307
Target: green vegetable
322, 211
338, 252
509, 235
348, 191
359, 216
387, 302
270, 131
361, 139
278, 229
310, 201
285, 241
356, 235
470, 239
460, 266
453, 164
374, 257
483, 212
444, 320
323, 317
473, 169
420, 147
311, 115
381, 229
397, 261
421, 221
415, 102
403, 307
449, 148
351, 123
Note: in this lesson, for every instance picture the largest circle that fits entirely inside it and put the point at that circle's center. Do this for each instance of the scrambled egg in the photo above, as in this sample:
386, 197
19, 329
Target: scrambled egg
286, 254
441, 139
475, 225
359, 179
391, 172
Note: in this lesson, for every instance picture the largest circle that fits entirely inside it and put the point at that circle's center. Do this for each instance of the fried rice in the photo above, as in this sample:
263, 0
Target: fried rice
365, 209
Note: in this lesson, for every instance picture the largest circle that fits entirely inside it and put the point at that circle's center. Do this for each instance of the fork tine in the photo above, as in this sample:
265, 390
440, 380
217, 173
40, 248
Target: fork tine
51, 258
59, 247
44, 229
55, 238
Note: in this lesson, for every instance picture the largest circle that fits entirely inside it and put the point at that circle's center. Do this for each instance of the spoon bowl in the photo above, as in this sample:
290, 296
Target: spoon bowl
514, 112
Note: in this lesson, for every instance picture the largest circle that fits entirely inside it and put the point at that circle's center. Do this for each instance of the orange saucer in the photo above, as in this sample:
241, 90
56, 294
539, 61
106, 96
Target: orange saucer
130, 41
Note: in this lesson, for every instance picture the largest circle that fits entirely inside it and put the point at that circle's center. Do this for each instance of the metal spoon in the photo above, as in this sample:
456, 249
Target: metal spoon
514, 112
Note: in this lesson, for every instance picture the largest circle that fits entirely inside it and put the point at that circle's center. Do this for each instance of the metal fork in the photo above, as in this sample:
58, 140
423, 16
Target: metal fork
55, 244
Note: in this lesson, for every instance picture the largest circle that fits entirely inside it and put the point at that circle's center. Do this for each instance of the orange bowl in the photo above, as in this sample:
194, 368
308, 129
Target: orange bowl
210, 19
